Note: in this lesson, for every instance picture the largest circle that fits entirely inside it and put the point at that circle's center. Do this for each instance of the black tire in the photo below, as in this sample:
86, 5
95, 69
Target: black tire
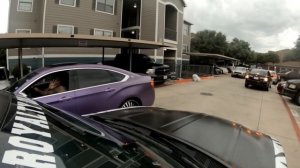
246, 85
130, 103
266, 88
296, 99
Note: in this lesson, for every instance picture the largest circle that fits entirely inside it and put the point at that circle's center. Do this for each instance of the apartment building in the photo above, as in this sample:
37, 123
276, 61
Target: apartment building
152, 20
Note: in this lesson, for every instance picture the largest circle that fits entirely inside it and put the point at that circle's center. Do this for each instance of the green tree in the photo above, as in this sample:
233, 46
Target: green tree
294, 54
240, 49
2, 57
209, 41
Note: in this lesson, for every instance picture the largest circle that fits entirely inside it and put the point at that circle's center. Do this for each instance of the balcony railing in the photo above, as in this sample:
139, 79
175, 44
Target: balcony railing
170, 34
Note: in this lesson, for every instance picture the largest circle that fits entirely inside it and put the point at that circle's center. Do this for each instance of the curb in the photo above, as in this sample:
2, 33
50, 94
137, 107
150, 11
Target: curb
294, 122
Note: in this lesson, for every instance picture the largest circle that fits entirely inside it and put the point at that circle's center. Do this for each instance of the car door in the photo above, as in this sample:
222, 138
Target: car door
96, 89
61, 100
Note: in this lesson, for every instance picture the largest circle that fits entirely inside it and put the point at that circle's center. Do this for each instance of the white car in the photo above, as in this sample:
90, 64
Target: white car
4, 82
239, 72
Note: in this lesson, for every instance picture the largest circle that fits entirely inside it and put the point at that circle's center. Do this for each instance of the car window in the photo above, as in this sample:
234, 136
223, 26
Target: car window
259, 72
241, 68
20, 82
94, 77
43, 86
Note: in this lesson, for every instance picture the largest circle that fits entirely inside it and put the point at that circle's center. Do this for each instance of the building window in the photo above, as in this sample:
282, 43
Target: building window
185, 48
65, 29
71, 3
105, 6
25, 5
101, 32
23, 30
186, 29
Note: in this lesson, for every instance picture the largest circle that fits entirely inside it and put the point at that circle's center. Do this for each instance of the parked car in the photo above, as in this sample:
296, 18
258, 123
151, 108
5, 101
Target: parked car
239, 72
280, 87
88, 88
142, 63
4, 78
288, 76
292, 90
218, 70
224, 70
37, 135
260, 78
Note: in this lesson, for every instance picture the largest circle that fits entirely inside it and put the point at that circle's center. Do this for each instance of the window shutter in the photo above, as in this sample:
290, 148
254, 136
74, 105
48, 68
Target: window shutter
114, 34
56, 1
94, 5
91, 31
75, 30
77, 3
54, 29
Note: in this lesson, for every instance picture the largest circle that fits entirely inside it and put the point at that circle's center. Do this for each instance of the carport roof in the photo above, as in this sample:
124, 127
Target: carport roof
217, 56
37, 40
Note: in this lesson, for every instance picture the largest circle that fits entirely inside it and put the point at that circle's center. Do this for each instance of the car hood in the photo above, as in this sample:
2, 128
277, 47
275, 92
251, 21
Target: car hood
229, 141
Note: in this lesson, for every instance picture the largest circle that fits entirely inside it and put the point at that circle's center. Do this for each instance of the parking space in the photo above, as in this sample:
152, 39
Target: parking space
227, 98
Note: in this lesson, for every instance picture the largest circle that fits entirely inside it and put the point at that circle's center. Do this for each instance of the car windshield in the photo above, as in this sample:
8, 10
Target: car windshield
20, 82
259, 72
3, 74
240, 68
77, 147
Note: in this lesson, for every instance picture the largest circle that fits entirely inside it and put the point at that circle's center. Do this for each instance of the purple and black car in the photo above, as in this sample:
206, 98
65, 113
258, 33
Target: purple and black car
37, 135
88, 88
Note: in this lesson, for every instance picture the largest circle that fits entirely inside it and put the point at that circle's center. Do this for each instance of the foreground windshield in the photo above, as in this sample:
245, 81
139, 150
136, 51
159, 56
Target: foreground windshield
76, 148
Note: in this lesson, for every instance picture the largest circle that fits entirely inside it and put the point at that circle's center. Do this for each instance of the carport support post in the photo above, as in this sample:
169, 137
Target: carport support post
103, 55
20, 62
130, 57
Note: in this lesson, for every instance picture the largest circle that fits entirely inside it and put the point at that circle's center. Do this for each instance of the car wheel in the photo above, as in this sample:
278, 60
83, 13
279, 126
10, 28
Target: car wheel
130, 103
297, 99
267, 88
246, 85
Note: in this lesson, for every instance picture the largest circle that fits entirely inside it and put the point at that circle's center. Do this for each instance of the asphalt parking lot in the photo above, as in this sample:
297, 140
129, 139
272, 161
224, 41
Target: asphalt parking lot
227, 98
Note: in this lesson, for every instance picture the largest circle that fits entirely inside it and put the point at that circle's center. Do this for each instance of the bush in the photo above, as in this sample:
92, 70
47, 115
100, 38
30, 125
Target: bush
16, 71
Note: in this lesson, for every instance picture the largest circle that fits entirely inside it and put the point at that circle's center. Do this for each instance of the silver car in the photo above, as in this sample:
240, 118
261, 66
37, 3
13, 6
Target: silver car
239, 72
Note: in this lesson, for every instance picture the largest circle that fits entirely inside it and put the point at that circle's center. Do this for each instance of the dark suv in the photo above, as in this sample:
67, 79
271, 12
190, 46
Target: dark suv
259, 77
292, 90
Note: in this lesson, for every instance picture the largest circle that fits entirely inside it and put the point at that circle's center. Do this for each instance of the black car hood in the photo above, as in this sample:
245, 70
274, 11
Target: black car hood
228, 141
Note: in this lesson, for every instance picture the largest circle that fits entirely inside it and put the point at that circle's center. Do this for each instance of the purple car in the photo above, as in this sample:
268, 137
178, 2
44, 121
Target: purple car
86, 88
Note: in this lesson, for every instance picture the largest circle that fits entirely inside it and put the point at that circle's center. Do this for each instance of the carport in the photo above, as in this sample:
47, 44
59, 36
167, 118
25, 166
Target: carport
203, 63
40, 40
194, 57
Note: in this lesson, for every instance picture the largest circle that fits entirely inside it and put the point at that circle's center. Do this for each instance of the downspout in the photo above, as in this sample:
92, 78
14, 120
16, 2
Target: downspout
43, 31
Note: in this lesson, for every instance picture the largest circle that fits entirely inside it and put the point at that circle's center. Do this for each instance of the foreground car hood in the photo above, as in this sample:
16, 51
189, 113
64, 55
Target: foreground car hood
231, 142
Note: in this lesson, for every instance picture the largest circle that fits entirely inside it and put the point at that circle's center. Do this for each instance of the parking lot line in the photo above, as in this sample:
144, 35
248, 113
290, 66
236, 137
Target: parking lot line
294, 122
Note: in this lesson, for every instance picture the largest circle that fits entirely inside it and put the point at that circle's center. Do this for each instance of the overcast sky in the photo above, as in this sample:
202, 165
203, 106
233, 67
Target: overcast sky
265, 24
